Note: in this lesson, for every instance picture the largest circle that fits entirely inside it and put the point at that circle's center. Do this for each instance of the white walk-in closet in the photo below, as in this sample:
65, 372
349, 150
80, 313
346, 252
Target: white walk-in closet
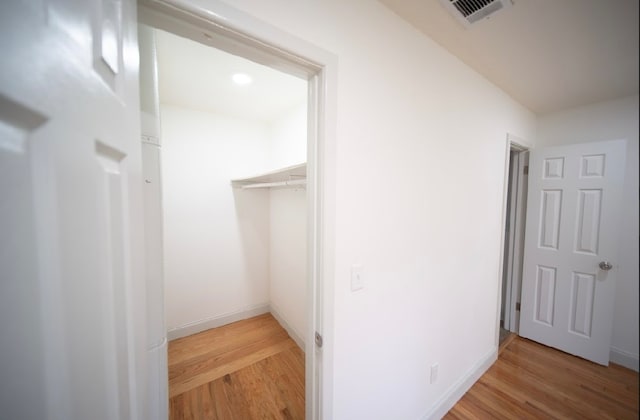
234, 201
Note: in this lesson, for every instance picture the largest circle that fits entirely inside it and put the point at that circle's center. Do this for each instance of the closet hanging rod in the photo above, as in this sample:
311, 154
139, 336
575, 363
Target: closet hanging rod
291, 183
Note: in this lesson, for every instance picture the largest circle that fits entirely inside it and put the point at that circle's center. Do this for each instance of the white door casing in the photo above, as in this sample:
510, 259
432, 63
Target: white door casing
72, 296
514, 240
572, 225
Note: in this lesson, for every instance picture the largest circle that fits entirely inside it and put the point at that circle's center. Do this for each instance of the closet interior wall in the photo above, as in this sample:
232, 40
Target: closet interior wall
231, 253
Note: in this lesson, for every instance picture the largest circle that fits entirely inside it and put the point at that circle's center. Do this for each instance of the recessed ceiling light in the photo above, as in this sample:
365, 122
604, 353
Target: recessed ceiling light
241, 79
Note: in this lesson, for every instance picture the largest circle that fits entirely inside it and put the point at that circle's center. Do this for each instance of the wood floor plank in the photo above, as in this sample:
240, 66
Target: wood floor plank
189, 367
530, 380
176, 407
258, 373
503, 403
570, 383
221, 406
237, 397
220, 340
287, 377
255, 372
265, 398
610, 380
533, 394
215, 369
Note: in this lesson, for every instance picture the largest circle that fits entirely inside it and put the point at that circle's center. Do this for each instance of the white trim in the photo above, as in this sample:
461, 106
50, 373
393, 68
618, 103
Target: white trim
517, 144
514, 246
505, 190
624, 358
460, 387
290, 330
218, 321
509, 304
158, 394
517, 249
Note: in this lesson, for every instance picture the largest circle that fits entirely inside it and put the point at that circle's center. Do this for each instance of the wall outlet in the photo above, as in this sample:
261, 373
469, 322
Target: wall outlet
357, 277
434, 373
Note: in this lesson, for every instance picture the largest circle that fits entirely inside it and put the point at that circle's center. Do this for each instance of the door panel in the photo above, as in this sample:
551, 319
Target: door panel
550, 225
572, 214
72, 279
545, 294
587, 231
582, 288
21, 329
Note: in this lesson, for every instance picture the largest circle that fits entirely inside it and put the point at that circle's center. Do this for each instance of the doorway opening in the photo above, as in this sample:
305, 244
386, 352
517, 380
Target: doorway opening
234, 158
234, 161
514, 229
214, 30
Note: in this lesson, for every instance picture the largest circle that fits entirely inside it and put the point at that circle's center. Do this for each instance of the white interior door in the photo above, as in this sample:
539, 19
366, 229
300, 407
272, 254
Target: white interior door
72, 280
572, 225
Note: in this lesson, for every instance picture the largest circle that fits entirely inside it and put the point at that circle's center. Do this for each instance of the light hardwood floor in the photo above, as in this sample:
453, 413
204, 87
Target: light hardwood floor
250, 369
530, 380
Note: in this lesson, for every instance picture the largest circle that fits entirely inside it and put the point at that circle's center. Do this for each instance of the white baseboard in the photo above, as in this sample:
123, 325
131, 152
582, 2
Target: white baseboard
218, 321
292, 333
458, 389
624, 358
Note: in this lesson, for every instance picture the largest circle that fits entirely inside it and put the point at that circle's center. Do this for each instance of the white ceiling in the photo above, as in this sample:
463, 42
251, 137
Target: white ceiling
547, 54
196, 76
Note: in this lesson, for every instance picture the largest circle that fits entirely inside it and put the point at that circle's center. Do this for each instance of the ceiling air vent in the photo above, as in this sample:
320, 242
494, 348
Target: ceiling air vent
472, 11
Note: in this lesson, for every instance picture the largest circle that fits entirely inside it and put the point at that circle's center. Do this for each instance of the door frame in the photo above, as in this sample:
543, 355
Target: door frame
512, 143
223, 27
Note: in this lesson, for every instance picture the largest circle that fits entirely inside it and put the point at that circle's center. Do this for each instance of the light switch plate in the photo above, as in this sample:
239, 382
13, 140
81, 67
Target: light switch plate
357, 277
434, 373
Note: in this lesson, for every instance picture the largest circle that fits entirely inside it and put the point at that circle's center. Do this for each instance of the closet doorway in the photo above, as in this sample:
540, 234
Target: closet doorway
265, 178
234, 155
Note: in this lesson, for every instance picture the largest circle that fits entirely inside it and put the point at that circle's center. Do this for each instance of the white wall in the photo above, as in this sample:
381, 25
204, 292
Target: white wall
288, 226
289, 138
216, 239
229, 250
611, 120
288, 259
418, 161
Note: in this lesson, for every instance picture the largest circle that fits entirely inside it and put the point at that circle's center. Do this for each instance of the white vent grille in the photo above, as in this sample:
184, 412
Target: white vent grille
471, 11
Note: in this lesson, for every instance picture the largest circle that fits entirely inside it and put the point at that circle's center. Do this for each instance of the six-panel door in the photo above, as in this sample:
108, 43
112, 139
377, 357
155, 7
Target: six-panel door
572, 224
72, 298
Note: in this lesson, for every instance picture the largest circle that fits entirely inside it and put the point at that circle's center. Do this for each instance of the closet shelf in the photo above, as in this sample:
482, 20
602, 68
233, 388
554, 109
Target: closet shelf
291, 176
